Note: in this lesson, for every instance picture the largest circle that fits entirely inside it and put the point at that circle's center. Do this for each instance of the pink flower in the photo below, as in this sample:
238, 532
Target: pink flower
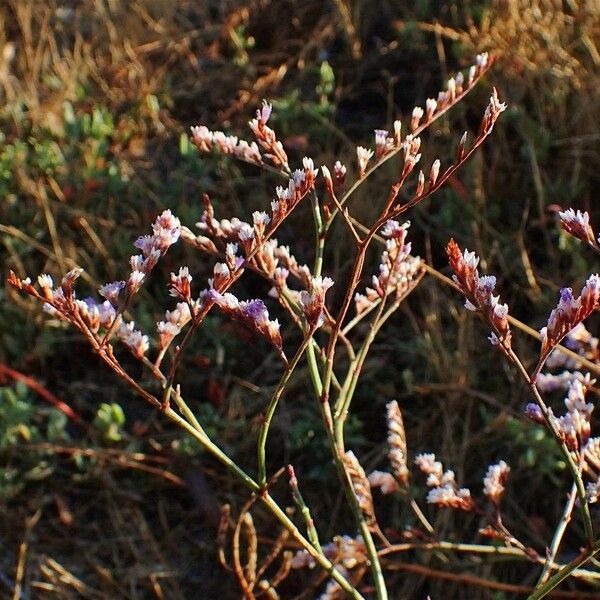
111, 291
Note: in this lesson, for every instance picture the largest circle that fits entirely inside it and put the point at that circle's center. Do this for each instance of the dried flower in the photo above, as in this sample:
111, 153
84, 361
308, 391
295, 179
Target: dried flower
417, 115
429, 466
267, 138
361, 486
397, 133
136, 341
494, 480
383, 143
430, 106
339, 172
435, 171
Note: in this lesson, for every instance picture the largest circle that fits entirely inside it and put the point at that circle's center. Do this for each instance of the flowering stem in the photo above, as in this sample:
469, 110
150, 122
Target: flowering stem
311, 530
415, 133
266, 499
575, 471
376, 571
588, 364
342, 406
270, 411
558, 535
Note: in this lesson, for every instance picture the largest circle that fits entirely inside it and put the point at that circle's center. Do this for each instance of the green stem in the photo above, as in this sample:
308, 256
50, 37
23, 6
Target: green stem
558, 535
575, 471
271, 505
321, 233
376, 571
270, 411
311, 530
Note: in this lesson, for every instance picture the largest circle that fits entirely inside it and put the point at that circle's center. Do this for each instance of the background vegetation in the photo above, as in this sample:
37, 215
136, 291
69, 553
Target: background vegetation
96, 97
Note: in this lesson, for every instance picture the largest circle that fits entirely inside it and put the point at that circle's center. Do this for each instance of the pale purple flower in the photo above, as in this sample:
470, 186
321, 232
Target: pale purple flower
397, 132
339, 172
578, 225
569, 312
111, 291
313, 302
45, 282
363, 155
180, 284
430, 106
136, 341
417, 115
428, 464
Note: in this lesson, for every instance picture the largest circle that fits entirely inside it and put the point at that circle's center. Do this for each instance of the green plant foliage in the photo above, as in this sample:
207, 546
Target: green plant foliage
110, 420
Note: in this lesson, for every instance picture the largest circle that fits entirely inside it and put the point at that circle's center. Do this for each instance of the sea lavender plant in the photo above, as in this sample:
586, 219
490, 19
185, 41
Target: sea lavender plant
238, 246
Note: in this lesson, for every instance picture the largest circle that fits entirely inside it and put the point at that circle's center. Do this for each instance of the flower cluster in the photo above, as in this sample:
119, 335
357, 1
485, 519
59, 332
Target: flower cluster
383, 143
267, 138
412, 156
135, 340
253, 313
206, 140
251, 236
591, 455
344, 550
569, 312
398, 270
363, 155
578, 225
384, 481
313, 302
574, 425
495, 480
456, 86
580, 341
87, 315
444, 491
166, 230
172, 325
549, 382
478, 291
